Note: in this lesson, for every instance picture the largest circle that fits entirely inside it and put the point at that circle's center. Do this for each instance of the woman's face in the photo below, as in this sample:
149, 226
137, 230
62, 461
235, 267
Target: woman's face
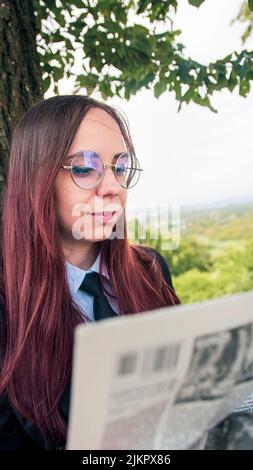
98, 132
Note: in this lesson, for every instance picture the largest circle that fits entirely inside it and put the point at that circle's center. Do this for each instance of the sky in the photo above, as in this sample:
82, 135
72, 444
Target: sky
194, 157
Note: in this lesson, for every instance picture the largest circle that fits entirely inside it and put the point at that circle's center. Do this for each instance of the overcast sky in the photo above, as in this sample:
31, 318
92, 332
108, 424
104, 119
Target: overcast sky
195, 156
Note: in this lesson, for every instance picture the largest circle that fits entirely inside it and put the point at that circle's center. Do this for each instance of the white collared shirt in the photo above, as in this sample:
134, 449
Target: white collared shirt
76, 276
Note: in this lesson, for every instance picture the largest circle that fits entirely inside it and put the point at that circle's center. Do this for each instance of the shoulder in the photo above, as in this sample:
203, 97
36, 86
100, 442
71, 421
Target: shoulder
163, 263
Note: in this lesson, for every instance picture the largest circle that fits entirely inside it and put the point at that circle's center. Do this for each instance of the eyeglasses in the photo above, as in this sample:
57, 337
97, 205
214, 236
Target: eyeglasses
87, 169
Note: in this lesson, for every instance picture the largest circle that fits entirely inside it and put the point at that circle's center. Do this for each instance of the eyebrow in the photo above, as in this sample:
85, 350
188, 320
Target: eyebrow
69, 157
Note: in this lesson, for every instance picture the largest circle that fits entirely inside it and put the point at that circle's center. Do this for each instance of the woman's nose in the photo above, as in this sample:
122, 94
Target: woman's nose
109, 183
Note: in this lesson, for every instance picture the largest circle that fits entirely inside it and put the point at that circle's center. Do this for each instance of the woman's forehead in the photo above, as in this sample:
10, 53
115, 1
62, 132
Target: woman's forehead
102, 118
99, 123
102, 123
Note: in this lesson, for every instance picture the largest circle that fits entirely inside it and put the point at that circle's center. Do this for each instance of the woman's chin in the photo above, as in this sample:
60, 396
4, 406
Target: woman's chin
100, 234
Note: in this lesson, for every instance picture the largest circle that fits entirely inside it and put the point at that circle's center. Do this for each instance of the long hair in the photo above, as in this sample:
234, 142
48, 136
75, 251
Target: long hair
40, 314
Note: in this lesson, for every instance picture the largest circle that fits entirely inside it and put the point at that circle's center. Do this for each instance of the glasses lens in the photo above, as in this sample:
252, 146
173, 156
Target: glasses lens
127, 170
87, 169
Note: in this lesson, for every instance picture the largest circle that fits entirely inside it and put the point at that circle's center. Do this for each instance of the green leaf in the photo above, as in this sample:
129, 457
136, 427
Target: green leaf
232, 81
46, 83
130, 88
142, 6
196, 3
250, 2
58, 73
60, 18
146, 80
160, 88
105, 89
244, 88
188, 95
205, 101
79, 3
57, 37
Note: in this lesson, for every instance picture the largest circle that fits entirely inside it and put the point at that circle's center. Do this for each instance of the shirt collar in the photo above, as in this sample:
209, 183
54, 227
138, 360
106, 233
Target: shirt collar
76, 275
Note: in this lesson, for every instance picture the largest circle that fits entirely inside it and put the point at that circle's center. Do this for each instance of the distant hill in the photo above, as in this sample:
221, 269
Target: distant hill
220, 204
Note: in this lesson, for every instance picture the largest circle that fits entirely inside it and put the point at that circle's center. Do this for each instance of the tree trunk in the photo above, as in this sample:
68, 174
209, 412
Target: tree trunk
20, 74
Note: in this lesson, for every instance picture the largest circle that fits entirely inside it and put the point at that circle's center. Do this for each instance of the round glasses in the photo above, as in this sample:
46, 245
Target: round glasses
87, 169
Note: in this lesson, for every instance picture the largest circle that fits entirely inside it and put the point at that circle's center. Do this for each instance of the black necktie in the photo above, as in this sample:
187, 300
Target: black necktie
92, 285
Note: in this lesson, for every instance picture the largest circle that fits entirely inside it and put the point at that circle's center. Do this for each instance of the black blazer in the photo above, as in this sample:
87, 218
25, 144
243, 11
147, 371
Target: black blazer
16, 432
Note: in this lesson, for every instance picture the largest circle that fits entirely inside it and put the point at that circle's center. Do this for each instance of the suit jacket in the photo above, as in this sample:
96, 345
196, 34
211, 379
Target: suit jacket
16, 432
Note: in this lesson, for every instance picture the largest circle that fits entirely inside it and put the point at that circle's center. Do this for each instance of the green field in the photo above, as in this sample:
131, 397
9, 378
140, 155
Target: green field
215, 255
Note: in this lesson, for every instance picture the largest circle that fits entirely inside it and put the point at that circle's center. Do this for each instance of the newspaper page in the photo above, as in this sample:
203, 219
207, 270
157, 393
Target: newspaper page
162, 379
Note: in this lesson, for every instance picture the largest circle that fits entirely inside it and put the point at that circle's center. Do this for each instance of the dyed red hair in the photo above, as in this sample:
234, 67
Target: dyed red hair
40, 314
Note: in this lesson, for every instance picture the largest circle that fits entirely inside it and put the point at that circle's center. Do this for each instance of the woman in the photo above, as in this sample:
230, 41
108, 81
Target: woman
71, 164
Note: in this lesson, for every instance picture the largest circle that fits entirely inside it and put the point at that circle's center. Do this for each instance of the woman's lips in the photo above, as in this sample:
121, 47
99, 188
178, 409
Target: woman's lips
105, 216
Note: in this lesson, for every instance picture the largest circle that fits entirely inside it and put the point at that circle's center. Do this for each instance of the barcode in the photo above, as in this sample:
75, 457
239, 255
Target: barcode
159, 359
127, 364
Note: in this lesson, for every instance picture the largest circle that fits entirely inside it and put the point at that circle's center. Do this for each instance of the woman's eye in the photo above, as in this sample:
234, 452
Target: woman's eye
120, 170
78, 170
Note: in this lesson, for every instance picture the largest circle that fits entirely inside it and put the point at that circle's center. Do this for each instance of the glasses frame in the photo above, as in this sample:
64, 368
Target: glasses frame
108, 165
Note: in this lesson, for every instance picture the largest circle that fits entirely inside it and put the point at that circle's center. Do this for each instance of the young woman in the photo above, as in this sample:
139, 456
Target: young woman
65, 257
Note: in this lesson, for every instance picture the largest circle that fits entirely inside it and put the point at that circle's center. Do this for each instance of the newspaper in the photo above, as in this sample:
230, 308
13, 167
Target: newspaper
164, 379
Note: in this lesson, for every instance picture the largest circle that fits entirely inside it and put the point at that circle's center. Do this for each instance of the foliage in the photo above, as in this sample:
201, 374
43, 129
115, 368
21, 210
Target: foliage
122, 56
245, 16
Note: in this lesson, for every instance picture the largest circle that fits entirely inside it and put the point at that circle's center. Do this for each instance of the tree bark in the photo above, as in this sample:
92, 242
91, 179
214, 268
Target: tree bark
20, 74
